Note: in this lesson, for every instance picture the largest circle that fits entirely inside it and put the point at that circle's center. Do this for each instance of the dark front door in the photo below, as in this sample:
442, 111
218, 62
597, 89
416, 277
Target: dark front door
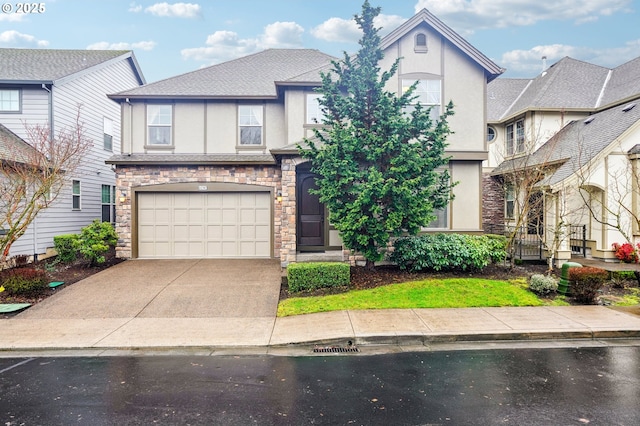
310, 214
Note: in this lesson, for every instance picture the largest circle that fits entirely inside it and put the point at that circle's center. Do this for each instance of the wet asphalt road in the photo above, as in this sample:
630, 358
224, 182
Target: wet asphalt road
481, 387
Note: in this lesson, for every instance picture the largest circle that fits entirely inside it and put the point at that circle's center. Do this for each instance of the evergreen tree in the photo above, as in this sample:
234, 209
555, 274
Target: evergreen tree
378, 156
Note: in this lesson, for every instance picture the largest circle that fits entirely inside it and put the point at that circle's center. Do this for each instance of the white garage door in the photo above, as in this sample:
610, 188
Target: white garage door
204, 225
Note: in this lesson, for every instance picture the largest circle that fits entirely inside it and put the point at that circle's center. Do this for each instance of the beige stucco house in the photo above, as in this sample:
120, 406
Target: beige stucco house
579, 123
209, 164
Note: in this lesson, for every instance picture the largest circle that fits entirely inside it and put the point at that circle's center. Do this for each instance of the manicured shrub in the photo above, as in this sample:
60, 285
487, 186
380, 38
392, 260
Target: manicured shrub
585, 283
543, 284
95, 240
67, 246
447, 252
313, 275
23, 281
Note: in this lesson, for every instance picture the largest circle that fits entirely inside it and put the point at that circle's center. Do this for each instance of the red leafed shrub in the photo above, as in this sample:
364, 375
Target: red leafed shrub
585, 283
23, 281
626, 252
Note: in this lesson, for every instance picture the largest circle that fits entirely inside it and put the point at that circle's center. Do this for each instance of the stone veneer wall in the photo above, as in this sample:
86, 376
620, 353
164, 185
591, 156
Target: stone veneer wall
128, 177
492, 201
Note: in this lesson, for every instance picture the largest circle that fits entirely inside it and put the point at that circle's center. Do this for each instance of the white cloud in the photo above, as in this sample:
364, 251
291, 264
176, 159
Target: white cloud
347, 31
175, 10
528, 63
225, 45
466, 16
11, 17
16, 39
135, 8
105, 45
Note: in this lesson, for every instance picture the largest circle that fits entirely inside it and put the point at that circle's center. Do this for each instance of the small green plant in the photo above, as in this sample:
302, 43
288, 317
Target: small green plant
543, 284
585, 283
23, 281
95, 240
313, 275
67, 246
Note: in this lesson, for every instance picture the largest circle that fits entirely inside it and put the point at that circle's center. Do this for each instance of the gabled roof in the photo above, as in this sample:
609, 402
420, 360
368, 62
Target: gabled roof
47, 66
424, 16
580, 142
568, 84
13, 147
253, 77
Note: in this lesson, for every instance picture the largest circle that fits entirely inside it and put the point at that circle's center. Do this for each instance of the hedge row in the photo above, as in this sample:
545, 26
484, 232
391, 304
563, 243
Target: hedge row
313, 275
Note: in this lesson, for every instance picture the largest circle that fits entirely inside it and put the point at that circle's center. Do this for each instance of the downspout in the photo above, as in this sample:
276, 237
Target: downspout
50, 118
130, 126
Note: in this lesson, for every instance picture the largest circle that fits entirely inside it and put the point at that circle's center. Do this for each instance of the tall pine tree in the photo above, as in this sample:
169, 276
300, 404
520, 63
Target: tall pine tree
379, 156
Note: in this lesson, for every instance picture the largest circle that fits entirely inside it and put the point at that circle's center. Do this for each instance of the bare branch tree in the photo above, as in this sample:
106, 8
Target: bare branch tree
33, 174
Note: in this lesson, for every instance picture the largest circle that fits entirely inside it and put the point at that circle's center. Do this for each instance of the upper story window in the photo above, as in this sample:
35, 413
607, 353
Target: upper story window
108, 134
250, 124
420, 43
515, 138
9, 100
491, 134
315, 115
428, 95
159, 121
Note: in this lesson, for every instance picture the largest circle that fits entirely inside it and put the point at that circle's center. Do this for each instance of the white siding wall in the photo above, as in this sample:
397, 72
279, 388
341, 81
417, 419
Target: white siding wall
89, 91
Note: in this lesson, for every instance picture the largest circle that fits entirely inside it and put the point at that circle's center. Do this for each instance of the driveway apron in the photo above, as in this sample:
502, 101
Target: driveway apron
172, 288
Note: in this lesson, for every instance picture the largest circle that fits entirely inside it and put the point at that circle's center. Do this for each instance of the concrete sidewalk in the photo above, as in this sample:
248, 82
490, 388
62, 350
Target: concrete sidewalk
225, 304
411, 327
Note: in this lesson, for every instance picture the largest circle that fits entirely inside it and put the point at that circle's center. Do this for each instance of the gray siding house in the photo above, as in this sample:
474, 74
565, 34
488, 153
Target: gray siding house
49, 87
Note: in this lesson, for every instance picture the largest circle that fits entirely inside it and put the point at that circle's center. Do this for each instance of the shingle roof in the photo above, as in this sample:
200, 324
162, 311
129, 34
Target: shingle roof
578, 143
568, 84
14, 148
253, 76
191, 159
48, 65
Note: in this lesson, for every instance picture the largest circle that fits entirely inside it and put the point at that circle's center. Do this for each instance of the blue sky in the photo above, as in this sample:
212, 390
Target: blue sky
171, 38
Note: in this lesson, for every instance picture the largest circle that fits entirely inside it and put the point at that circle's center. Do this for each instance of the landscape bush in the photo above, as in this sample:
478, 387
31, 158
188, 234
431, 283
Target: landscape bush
447, 252
626, 252
23, 281
67, 246
585, 283
95, 240
543, 284
313, 275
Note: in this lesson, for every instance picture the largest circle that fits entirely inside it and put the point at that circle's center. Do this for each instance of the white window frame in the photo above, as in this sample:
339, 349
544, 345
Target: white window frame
10, 100
314, 115
111, 203
107, 126
427, 95
250, 117
159, 118
76, 195
509, 202
515, 140
442, 219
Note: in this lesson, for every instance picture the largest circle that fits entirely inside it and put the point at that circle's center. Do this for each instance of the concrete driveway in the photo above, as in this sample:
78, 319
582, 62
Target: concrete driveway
191, 288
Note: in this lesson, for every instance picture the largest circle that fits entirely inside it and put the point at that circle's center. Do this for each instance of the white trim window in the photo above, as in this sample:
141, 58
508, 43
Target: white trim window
315, 115
428, 94
515, 138
441, 220
159, 121
108, 203
9, 100
76, 195
510, 202
250, 125
108, 134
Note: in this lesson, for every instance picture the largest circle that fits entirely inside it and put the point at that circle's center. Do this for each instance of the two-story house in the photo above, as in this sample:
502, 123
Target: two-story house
577, 121
209, 165
48, 87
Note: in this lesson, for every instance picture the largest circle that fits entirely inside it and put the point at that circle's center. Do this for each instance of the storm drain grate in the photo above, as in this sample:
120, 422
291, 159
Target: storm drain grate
336, 349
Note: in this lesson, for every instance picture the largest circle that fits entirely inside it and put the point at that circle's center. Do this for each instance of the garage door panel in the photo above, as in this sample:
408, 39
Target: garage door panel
204, 224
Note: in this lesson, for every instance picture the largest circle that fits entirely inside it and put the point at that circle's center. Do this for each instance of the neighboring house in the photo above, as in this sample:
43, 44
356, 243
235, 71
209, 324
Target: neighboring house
46, 87
579, 123
209, 164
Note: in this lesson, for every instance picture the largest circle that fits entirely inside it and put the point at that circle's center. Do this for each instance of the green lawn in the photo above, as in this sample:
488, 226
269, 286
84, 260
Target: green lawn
430, 293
